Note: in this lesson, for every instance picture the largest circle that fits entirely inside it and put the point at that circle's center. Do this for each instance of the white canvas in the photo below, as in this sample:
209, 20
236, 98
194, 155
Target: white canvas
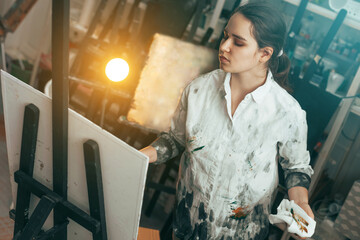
123, 167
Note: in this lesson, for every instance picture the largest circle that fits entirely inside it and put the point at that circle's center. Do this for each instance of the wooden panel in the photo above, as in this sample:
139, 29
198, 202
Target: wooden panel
123, 168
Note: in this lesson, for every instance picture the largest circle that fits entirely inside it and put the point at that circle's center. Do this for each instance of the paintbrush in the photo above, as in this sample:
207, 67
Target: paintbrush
302, 228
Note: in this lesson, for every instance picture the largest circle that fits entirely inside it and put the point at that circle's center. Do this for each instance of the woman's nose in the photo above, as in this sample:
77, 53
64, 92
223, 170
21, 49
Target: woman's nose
225, 45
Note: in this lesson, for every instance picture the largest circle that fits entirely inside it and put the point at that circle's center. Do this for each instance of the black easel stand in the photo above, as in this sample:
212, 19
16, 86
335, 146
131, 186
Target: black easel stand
295, 26
25, 228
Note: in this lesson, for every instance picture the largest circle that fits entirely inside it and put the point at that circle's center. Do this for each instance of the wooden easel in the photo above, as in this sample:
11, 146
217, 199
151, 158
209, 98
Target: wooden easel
56, 199
25, 228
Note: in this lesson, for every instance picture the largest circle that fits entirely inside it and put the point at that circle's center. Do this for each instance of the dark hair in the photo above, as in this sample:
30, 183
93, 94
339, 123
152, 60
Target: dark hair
269, 30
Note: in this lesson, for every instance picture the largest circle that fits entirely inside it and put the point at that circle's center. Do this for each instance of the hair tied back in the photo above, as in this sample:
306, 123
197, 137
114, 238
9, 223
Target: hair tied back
280, 53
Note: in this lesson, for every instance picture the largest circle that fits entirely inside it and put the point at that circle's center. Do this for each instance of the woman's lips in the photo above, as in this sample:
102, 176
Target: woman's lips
223, 59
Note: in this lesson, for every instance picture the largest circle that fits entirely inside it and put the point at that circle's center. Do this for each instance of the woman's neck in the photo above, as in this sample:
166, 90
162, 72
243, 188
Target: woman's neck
247, 82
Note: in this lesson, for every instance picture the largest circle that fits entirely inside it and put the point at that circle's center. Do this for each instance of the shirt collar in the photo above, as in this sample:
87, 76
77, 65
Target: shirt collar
258, 94
226, 86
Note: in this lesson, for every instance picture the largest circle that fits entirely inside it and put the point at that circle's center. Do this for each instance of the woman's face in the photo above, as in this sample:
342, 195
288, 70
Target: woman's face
239, 51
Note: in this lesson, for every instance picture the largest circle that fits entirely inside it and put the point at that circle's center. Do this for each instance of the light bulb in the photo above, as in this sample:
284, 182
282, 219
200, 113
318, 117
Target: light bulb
117, 69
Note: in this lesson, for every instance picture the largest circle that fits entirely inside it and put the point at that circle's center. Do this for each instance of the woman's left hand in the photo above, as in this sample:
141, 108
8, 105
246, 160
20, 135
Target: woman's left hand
306, 207
300, 197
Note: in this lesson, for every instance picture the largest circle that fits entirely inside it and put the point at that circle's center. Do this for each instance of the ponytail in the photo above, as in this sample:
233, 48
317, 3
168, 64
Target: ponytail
280, 67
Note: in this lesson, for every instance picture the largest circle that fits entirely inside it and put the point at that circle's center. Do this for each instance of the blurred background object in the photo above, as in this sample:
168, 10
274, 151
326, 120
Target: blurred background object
165, 76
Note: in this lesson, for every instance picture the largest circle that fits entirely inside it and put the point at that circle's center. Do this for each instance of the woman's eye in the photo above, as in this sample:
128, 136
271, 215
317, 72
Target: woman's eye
238, 44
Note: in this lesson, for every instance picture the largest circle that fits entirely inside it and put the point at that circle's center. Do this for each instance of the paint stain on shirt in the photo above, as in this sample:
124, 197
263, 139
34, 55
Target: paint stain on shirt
202, 213
249, 158
267, 168
189, 199
239, 213
211, 217
197, 149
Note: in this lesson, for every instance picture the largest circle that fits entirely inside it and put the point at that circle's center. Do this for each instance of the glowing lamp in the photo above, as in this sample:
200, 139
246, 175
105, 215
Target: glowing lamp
117, 69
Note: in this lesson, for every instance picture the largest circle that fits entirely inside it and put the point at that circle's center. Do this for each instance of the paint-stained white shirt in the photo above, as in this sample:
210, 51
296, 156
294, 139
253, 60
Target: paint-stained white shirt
228, 169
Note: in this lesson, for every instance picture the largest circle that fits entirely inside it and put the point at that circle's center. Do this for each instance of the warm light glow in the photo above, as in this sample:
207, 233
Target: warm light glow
117, 69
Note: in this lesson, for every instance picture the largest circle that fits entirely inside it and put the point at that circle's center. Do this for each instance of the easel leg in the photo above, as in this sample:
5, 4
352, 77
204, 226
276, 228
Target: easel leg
166, 230
95, 186
37, 219
28, 148
2, 53
51, 232
156, 194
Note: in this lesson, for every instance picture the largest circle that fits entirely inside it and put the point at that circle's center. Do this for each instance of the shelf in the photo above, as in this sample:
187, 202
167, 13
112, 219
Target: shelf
333, 93
326, 13
339, 57
355, 109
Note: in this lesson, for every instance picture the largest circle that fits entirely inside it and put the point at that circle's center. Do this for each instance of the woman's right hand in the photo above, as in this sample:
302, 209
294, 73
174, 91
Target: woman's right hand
150, 151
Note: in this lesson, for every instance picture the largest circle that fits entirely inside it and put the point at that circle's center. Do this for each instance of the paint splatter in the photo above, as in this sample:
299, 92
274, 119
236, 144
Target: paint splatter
189, 199
195, 233
251, 167
211, 217
202, 213
267, 168
227, 224
202, 232
299, 220
193, 138
182, 220
239, 213
249, 158
197, 149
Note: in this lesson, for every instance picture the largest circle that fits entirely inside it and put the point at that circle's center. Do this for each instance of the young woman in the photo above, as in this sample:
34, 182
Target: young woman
233, 125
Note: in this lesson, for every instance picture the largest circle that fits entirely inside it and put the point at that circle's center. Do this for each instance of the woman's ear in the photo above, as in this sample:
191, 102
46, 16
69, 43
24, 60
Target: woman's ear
265, 54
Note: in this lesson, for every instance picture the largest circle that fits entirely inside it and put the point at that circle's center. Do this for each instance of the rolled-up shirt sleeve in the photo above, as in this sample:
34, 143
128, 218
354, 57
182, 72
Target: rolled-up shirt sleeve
294, 157
172, 143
